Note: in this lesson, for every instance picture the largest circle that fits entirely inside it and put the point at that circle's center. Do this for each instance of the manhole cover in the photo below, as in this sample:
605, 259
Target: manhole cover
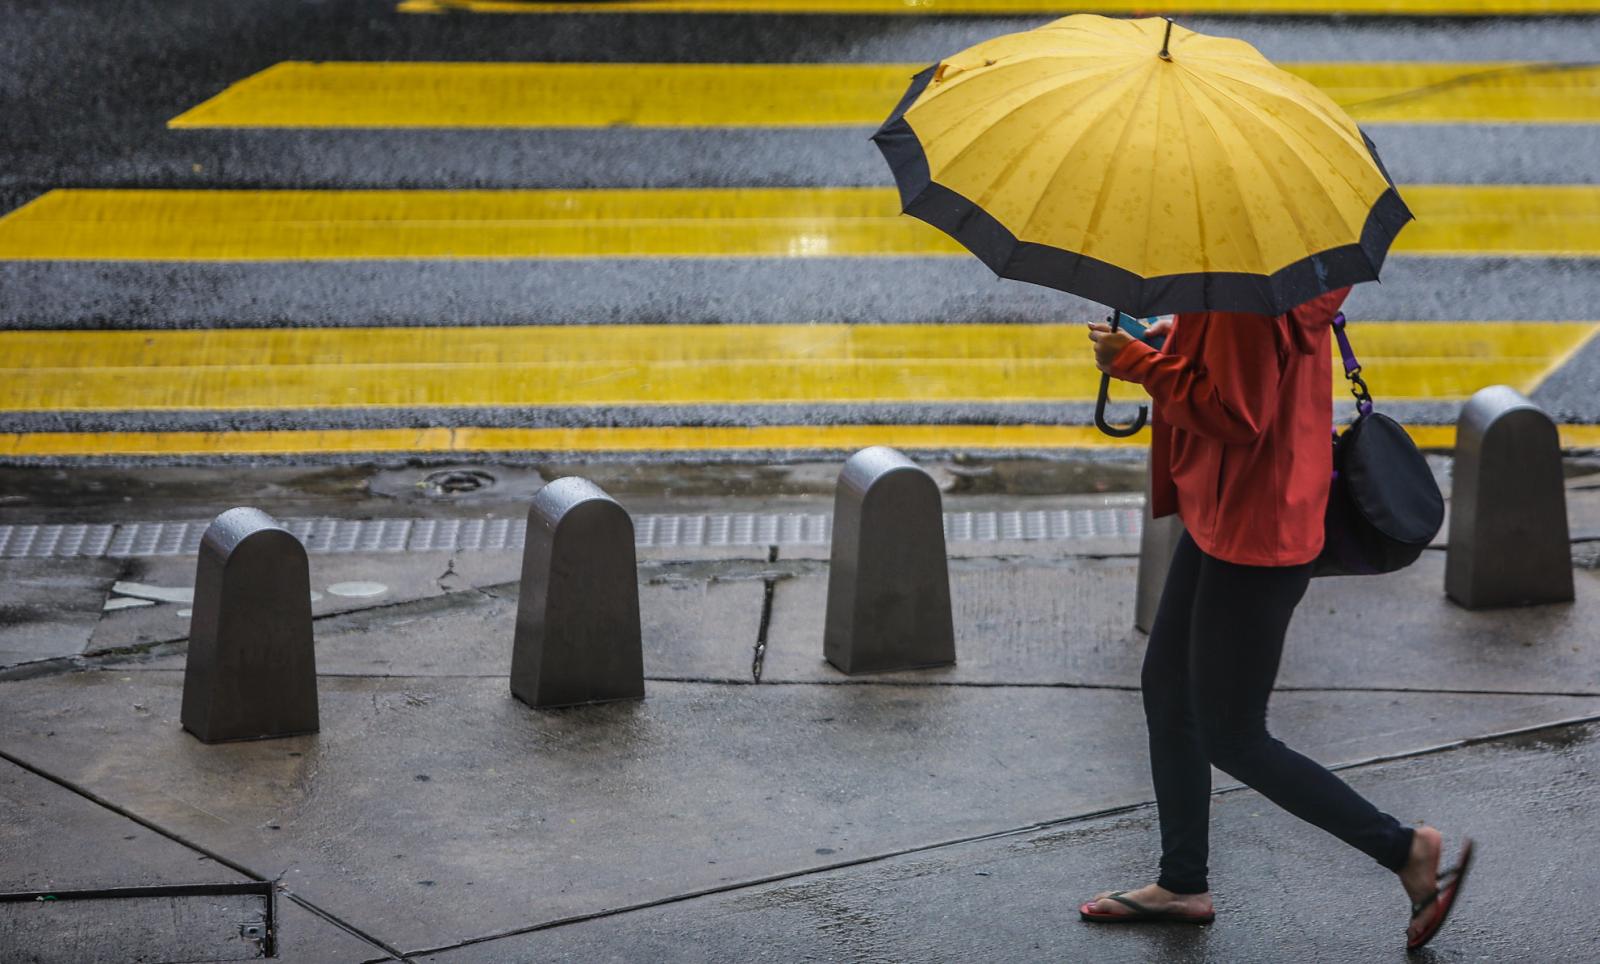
450, 482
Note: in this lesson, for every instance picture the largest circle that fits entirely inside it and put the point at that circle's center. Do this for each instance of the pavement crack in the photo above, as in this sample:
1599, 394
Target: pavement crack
769, 587
449, 572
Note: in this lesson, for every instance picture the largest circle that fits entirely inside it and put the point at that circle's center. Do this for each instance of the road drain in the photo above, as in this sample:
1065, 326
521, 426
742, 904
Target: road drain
452, 482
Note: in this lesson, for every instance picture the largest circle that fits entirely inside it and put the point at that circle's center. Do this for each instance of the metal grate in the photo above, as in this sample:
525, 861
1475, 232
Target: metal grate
132, 539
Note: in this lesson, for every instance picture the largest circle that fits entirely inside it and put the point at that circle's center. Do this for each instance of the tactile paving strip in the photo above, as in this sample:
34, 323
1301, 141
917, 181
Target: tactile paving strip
135, 539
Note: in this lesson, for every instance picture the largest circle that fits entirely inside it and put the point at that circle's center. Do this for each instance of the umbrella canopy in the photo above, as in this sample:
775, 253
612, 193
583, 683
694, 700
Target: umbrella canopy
1144, 166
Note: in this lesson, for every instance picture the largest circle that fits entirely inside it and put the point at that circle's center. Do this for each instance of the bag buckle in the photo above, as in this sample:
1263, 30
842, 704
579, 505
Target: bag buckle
1358, 388
1352, 367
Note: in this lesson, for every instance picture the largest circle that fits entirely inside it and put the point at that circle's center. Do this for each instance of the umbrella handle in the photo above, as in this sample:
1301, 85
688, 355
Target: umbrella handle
1115, 431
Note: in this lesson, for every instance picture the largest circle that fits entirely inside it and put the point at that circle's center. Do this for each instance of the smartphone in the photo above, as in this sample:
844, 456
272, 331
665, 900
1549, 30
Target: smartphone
1139, 328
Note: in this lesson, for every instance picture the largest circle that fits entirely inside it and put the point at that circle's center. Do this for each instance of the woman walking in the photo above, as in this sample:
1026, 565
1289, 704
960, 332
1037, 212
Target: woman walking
1241, 452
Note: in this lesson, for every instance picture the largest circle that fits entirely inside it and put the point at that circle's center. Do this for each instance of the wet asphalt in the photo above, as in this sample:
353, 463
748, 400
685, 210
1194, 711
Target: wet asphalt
86, 89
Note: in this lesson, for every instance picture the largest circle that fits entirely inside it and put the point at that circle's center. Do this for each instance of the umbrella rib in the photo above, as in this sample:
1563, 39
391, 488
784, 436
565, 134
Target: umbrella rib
1150, 210
960, 123
1287, 87
977, 138
1222, 145
1011, 165
1199, 217
1027, 223
1287, 131
1101, 198
1272, 173
1357, 146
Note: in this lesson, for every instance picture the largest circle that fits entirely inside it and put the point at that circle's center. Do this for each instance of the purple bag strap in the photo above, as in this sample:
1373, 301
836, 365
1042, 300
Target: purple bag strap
1352, 368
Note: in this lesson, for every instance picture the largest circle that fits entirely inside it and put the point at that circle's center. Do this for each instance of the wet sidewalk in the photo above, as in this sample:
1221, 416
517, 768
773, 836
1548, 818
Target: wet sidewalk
758, 804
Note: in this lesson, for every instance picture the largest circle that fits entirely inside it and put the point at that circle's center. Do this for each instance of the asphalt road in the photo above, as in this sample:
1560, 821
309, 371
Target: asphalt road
88, 90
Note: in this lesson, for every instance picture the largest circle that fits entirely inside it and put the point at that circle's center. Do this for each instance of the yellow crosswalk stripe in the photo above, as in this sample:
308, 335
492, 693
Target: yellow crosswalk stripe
959, 438
653, 365
184, 225
383, 95
1408, 8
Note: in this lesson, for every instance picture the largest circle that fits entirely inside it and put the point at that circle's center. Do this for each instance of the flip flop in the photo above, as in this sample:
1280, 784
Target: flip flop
1442, 899
1141, 914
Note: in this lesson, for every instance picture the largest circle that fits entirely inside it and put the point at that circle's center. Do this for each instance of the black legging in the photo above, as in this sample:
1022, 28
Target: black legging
1213, 657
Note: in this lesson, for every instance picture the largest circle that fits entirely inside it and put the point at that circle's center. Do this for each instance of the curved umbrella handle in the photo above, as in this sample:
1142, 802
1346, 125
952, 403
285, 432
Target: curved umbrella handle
1115, 431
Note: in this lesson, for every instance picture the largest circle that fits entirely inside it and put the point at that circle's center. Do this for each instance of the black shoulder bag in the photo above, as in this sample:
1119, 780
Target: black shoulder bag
1384, 507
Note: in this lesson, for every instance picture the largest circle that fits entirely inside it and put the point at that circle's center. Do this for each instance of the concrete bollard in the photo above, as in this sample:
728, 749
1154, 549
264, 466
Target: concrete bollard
1508, 508
1157, 542
578, 638
889, 581
251, 671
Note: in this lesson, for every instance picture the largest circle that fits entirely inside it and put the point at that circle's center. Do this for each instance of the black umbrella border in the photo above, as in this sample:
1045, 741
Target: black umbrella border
1042, 264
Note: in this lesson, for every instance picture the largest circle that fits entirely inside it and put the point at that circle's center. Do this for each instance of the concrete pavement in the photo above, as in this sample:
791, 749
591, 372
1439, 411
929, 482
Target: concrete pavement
946, 815
1284, 893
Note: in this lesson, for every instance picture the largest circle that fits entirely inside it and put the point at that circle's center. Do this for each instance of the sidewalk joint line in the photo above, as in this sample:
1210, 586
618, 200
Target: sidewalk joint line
100, 801
97, 663
183, 841
1433, 691
985, 837
346, 926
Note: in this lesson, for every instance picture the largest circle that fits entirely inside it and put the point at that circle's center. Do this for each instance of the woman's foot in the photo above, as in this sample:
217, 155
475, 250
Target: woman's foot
1420, 875
1155, 898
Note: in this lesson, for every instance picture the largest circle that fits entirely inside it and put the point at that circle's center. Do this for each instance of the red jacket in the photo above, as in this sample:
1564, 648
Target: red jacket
1242, 445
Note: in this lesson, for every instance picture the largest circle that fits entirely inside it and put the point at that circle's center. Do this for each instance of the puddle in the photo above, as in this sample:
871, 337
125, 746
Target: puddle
174, 594
87, 488
126, 602
1555, 738
358, 590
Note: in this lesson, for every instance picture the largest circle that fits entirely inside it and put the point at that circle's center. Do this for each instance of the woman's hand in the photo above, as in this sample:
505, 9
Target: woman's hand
1107, 344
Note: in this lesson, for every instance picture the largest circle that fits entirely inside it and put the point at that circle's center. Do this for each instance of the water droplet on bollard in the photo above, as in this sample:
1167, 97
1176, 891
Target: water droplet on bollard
889, 578
578, 637
251, 670
1509, 540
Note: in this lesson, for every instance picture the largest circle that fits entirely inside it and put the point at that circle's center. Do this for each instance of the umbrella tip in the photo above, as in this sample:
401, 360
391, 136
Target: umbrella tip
1165, 53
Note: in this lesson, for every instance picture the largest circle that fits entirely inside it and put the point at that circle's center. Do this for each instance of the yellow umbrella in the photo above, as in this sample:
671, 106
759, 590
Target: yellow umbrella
1144, 166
